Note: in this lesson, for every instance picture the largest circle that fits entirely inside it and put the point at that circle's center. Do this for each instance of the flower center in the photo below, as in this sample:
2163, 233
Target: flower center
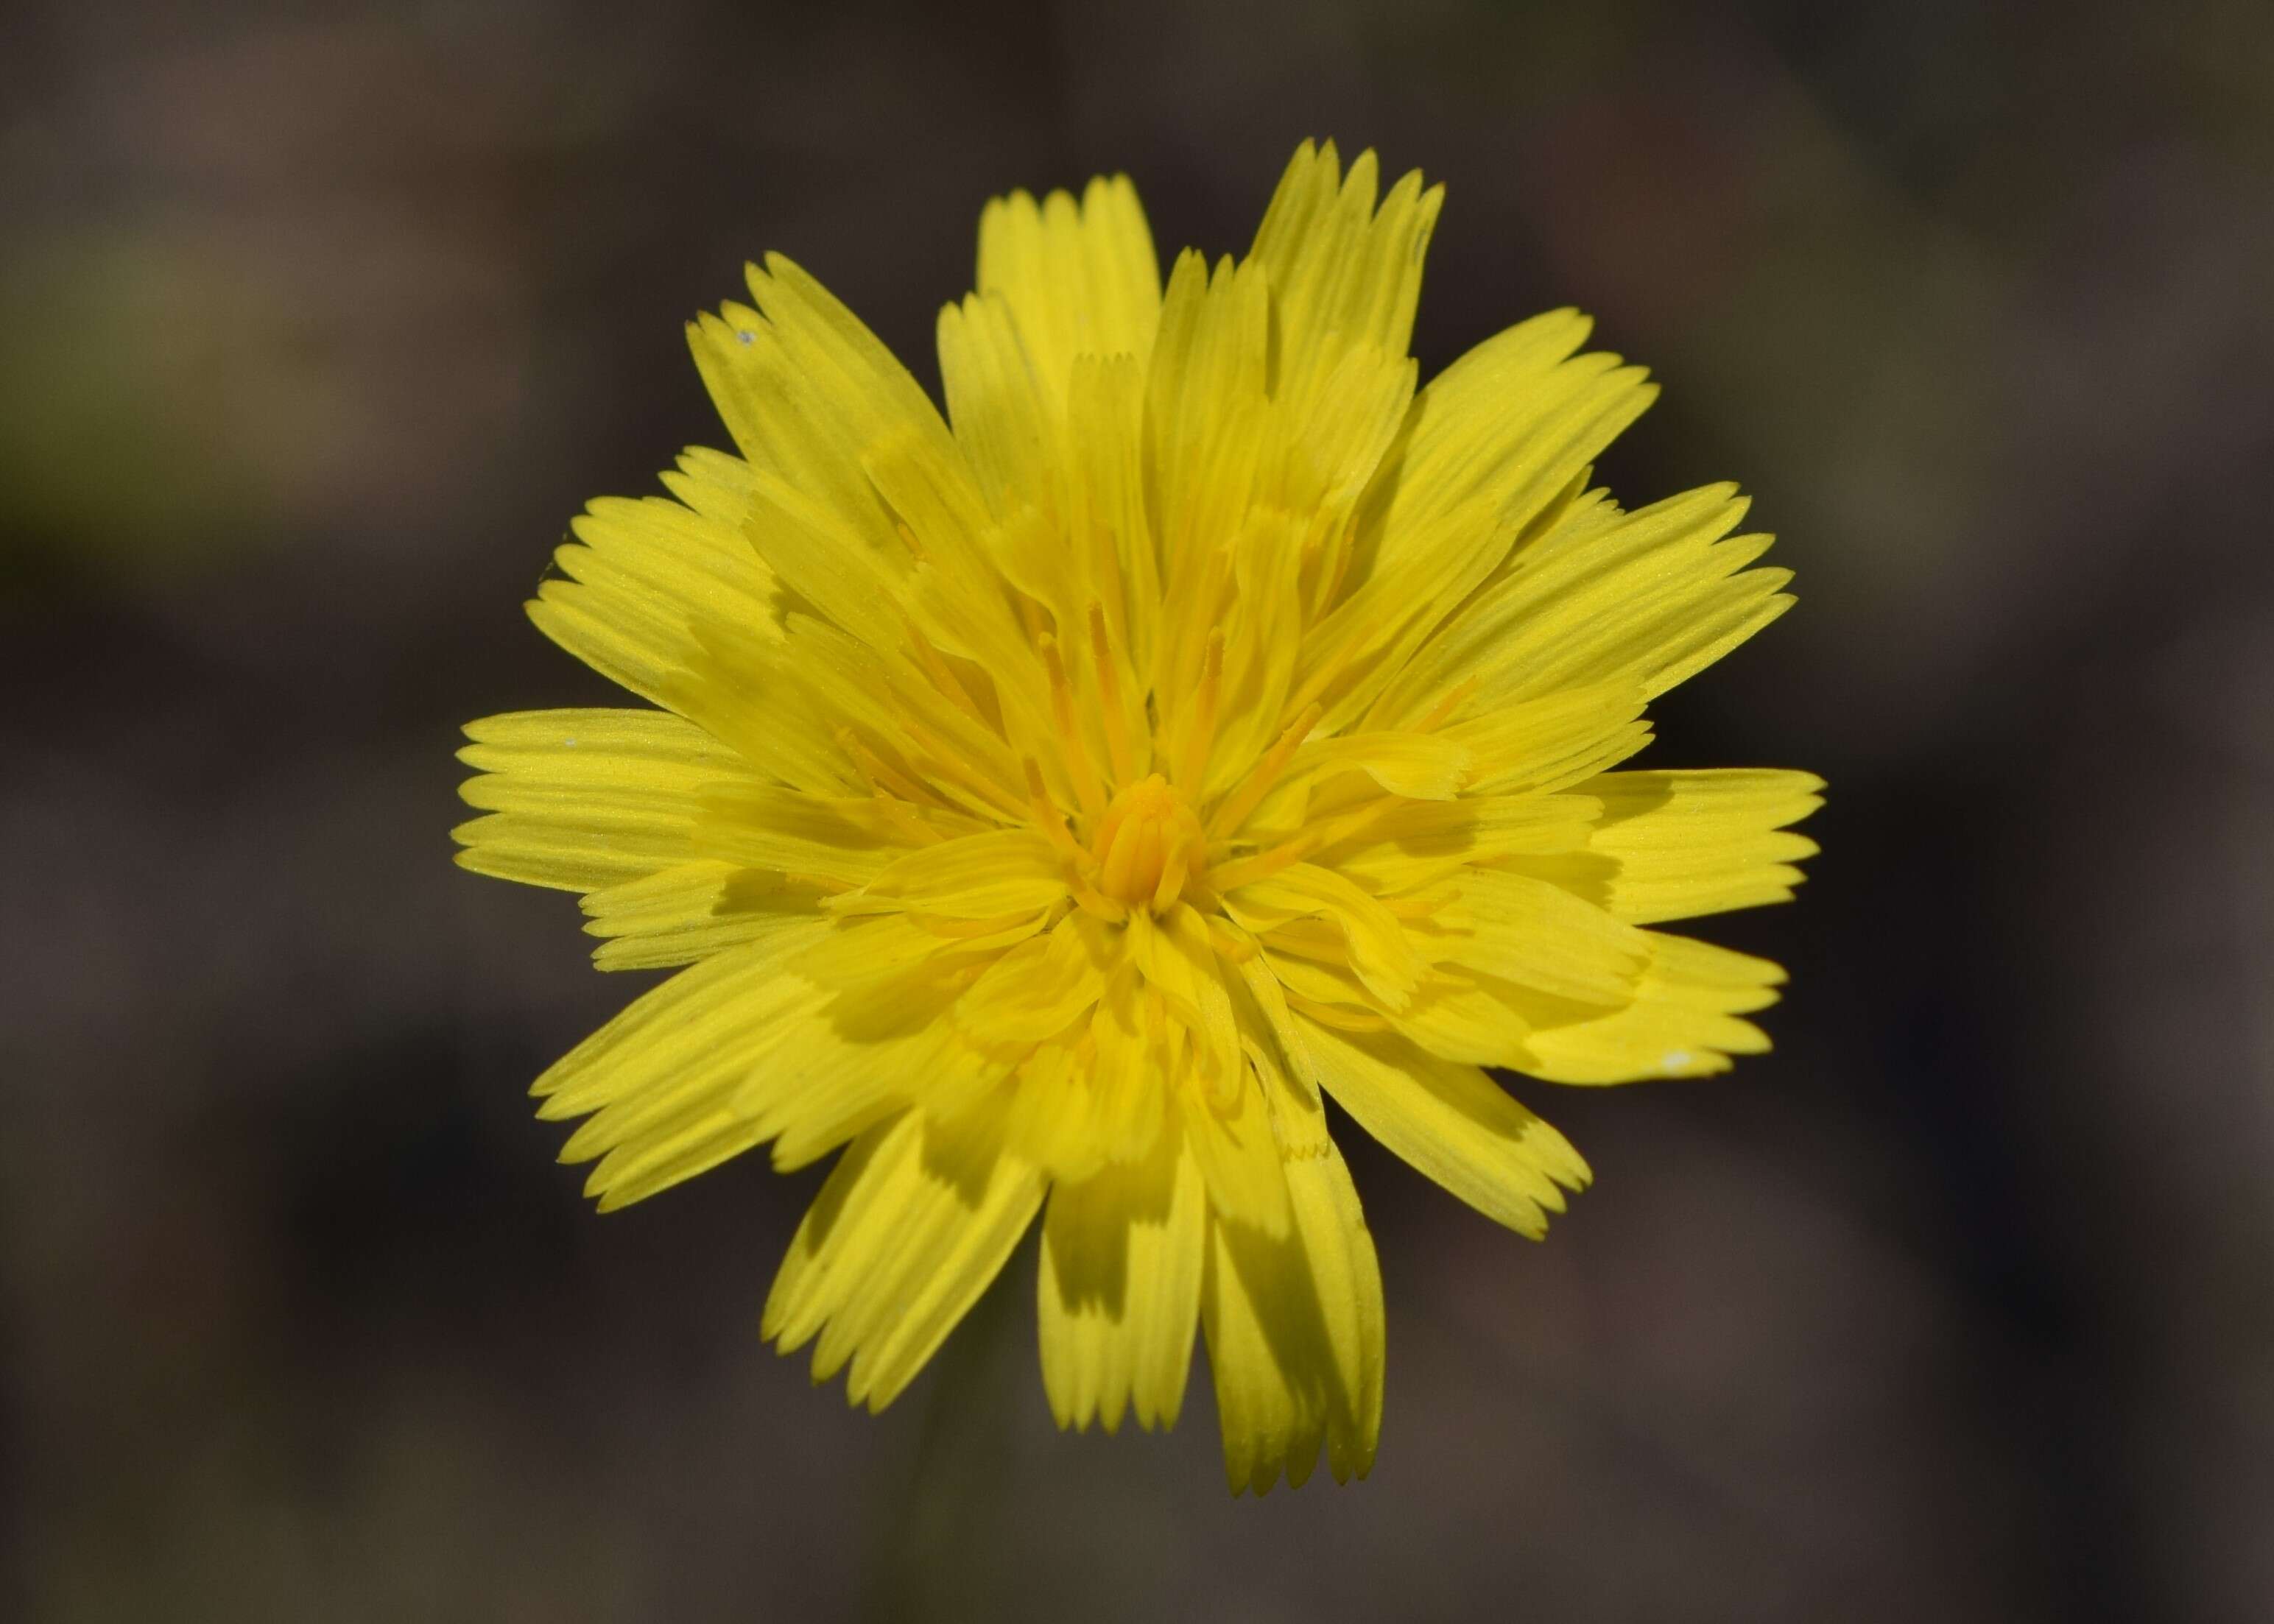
1147, 844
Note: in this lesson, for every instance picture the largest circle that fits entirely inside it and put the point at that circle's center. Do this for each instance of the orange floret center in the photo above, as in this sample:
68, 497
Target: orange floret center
1147, 844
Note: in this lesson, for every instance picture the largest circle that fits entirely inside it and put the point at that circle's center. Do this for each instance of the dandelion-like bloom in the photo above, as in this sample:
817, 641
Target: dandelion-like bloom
1056, 803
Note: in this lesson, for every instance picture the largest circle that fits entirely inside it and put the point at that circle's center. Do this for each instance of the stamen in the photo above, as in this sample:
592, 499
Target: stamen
1221, 1085
902, 816
1083, 771
1330, 583
1262, 865
1172, 876
1133, 852
1190, 599
1239, 948
1099, 905
1337, 660
1414, 907
1087, 897
1118, 748
1307, 935
1049, 818
1455, 698
955, 929
948, 761
1030, 615
1337, 1015
879, 774
1202, 736
1147, 830
1334, 831
941, 674
1234, 809
1106, 556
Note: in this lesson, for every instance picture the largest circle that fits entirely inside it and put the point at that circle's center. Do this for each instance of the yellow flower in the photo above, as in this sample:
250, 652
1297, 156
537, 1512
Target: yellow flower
1056, 803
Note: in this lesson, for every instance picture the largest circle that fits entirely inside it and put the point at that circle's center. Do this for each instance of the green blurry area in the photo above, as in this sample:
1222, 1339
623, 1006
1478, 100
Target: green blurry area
318, 323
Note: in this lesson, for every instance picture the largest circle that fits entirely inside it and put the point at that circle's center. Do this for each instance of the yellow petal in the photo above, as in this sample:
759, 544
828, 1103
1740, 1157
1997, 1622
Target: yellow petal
1270, 1402
1263, 630
1526, 930
1239, 1159
943, 754
662, 1076
1413, 845
1041, 987
652, 593
1295, 1334
772, 705
1130, 1036
1451, 1121
1329, 449
1503, 433
1322, 982
1106, 432
1466, 1017
1704, 842
1080, 280
1553, 741
695, 1015
1645, 601
1267, 1031
665, 553
1379, 950
819, 553
1120, 1291
1005, 417
1339, 1248
1683, 1021
1426, 766
979, 876
844, 840
1205, 409
1342, 273
680, 915
1492, 445
1177, 961
914, 1221
863, 949
1056, 1118
806, 1083
804, 387
586, 799
828, 1080
870, 1047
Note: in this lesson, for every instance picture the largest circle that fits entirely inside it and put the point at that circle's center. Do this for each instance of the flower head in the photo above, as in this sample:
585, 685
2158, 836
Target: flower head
1056, 803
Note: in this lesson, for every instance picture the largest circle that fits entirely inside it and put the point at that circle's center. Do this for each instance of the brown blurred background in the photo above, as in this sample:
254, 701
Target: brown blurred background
317, 322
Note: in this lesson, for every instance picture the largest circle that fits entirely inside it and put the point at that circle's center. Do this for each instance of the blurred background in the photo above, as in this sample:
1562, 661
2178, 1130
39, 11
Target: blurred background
317, 323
